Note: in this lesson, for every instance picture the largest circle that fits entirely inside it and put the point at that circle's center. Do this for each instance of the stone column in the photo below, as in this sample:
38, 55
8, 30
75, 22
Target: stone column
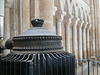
54, 9
25, 15
93, 43
16, 15
87, 42
97, 12
1, 19
75, 46
32, 9
46, 12
68, 19
93, 29
90, 42
60, 17
84, 40
98, 20
6, 28
80, 52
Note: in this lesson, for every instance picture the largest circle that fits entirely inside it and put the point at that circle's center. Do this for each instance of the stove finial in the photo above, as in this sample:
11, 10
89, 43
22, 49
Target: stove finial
37, 22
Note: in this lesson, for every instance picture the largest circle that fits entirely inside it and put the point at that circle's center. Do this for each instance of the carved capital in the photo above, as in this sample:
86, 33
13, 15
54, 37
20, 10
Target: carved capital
8, 4
68, 19
89, 26
85, 24
80, 23
54, 10
60, 15
75, 21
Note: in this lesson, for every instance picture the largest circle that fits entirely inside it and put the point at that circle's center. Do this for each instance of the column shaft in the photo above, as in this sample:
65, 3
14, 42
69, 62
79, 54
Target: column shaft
59, 28
68, 20
93, 28
25, 15
6, 30
75, 41
84, 44
68, 38
75, 22
88, 55
46, 12
80, 43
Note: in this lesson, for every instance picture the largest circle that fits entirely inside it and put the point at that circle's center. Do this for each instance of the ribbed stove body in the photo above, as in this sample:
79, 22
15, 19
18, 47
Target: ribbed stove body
38, 51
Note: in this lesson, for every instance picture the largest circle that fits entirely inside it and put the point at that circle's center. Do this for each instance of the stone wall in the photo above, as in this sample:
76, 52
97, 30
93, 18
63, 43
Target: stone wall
75, 17
87, 1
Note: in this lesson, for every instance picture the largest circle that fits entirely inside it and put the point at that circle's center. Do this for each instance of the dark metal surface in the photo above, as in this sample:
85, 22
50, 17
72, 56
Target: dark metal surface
37, 22
9, 44
56, 63
38, 51
1, 49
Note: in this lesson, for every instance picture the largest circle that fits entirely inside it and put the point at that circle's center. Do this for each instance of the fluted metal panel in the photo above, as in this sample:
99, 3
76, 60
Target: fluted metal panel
54, 63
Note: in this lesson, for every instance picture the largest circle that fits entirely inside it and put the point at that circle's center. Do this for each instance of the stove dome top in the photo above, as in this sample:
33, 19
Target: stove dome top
37, 38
